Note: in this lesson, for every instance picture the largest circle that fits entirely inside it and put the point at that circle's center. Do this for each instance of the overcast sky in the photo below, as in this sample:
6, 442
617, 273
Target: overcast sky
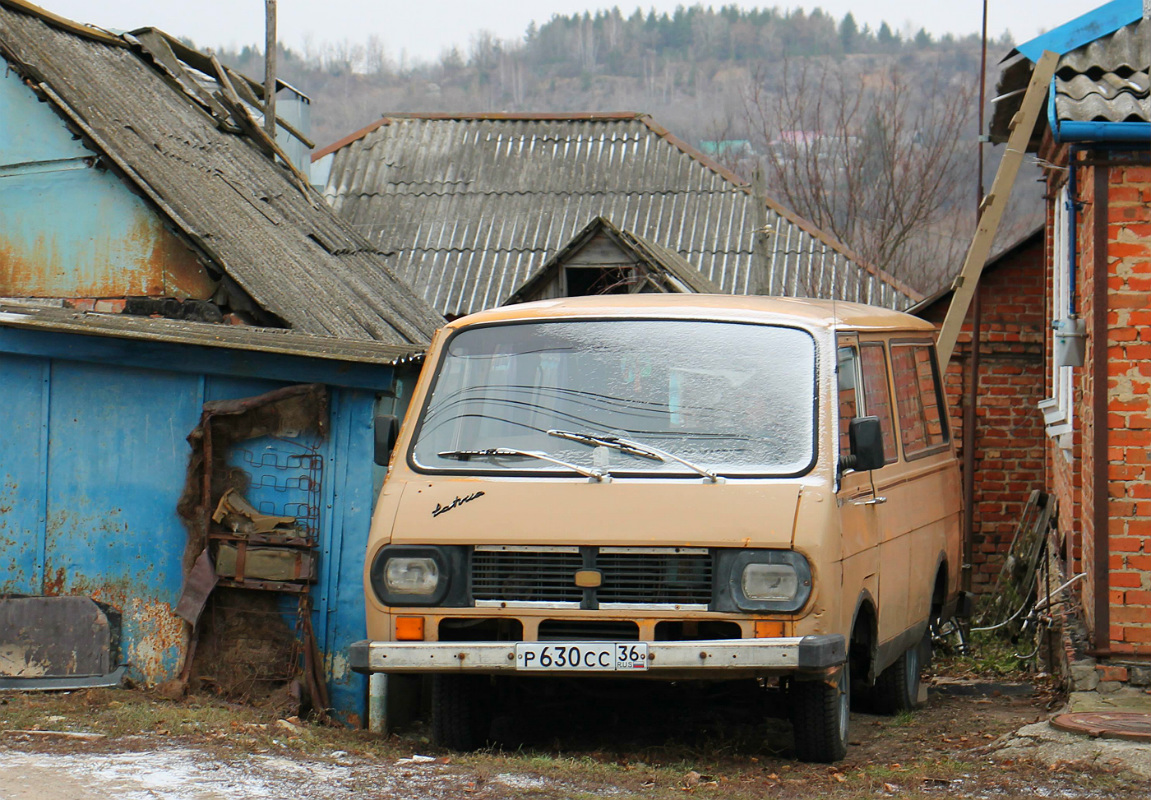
423, 29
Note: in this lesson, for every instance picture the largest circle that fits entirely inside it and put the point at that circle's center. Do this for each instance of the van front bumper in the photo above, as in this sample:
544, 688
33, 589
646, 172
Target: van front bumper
718, 657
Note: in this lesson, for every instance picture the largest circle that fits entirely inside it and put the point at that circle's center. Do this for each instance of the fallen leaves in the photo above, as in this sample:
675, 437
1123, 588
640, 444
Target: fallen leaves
693, 780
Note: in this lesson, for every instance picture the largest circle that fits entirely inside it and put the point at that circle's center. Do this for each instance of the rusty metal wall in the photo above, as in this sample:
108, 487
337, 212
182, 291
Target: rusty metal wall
71, 229
93, 461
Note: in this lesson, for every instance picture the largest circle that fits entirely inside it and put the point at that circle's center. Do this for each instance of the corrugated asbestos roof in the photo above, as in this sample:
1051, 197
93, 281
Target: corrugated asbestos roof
1105, 80
472, 206
228, 337
197, 159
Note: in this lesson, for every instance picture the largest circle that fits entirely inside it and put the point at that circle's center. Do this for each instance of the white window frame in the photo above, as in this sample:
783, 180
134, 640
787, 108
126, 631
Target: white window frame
1058, 407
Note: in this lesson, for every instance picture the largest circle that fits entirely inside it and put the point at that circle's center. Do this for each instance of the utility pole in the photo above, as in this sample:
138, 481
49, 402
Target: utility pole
270, 68
760, 282
969, 418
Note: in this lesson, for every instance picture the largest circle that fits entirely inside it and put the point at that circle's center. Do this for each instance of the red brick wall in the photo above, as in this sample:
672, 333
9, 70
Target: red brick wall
1128, 403
1009, 440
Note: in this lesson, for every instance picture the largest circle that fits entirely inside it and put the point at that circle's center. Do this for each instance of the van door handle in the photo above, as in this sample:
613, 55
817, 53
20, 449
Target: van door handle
874, 501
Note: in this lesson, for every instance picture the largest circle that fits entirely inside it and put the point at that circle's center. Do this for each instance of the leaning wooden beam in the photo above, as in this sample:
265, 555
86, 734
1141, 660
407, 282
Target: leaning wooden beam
991, 212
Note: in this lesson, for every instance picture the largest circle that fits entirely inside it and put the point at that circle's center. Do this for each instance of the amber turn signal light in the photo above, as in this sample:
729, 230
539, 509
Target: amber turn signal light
409, 629
768, 628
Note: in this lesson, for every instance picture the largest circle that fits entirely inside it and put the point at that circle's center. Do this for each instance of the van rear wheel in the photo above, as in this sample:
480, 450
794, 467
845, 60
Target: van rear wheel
460, 716
897, 687
820, 712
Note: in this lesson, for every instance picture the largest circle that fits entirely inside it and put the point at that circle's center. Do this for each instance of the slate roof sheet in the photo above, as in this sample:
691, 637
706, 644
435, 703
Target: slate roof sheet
473, 205
251, 218
1105, 80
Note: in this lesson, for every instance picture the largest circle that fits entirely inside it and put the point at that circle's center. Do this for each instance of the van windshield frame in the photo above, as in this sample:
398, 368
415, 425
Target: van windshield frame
739, 398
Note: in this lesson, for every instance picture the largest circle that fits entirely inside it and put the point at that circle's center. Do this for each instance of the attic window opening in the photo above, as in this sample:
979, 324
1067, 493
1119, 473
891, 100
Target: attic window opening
585, 281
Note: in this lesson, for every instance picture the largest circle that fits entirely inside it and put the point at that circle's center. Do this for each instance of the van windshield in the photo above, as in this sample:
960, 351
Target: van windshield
730, 398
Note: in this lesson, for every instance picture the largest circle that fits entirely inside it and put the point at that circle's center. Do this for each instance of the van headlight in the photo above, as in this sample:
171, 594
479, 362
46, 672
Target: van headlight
407, 575
770, 580
775, 582
403, 575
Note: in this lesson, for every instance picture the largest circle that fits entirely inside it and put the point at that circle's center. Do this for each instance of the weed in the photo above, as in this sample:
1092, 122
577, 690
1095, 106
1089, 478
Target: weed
990, 655
903, 719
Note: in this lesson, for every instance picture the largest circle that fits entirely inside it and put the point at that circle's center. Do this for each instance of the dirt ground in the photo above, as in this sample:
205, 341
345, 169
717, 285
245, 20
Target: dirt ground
133, 744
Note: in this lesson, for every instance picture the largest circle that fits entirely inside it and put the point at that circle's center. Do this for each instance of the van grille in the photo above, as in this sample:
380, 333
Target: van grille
655, 578
526, 577
631, 576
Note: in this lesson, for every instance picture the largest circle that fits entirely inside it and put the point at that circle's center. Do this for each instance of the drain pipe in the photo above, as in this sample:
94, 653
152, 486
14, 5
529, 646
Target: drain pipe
969, 417
1100, 438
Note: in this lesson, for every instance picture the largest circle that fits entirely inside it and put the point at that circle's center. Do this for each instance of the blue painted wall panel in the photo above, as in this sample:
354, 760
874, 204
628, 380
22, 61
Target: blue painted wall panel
117, 464
95, 456
68, 229
352, 502
241, 364
23, 396
29, 130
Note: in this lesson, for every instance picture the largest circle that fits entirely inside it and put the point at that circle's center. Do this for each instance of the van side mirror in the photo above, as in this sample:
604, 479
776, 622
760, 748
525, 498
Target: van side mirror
387, 428
866, 437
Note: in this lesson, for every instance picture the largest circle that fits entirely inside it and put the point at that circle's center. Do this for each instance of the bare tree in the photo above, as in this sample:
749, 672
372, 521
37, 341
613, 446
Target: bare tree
880, 161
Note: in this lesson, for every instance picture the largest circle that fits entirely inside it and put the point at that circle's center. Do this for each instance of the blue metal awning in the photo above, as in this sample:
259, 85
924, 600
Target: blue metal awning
1105, 19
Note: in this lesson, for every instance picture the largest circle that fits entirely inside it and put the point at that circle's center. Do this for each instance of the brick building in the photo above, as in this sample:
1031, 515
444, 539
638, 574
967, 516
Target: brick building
1009, 442
1095, 141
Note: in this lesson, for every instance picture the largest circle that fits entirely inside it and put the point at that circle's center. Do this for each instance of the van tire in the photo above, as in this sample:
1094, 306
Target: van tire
460, 719
820, 713
897, 687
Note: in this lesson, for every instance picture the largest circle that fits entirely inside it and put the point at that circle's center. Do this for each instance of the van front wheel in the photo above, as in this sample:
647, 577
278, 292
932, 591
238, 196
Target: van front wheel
819, 714
460, 716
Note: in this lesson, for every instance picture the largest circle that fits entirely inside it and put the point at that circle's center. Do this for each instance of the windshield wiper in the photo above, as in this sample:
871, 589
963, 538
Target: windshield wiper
496, 452
632, 448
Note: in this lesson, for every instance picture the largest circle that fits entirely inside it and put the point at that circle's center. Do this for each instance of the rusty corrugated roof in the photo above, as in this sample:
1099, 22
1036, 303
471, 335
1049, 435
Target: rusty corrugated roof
472, 205
251, 218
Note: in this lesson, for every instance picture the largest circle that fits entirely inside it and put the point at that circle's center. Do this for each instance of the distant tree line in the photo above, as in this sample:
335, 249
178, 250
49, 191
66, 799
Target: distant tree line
616, 43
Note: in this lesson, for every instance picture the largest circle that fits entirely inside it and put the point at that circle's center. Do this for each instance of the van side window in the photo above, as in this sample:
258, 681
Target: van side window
918, 397
847, 398
877, 396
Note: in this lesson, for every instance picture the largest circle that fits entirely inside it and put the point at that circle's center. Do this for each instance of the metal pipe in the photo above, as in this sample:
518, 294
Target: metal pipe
1134, 132
270, 68
1100, 473
1073, 206
969, 417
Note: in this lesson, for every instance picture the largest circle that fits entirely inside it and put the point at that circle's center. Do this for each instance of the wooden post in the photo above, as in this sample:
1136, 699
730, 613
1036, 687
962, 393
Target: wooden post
1022, 125
760, 281
270, 68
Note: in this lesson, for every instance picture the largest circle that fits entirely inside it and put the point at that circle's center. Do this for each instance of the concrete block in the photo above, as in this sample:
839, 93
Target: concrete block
1139, 676
1084, 676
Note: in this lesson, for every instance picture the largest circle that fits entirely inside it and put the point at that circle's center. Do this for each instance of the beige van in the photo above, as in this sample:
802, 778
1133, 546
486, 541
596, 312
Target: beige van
669, 487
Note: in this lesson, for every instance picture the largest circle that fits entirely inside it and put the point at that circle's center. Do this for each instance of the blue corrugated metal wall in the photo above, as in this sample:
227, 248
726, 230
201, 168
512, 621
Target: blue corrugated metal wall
93, 460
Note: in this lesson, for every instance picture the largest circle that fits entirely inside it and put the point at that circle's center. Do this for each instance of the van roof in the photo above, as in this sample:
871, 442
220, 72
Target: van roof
809, 313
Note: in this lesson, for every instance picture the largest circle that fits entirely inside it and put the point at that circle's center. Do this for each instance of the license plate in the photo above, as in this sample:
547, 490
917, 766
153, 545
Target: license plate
581, 656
